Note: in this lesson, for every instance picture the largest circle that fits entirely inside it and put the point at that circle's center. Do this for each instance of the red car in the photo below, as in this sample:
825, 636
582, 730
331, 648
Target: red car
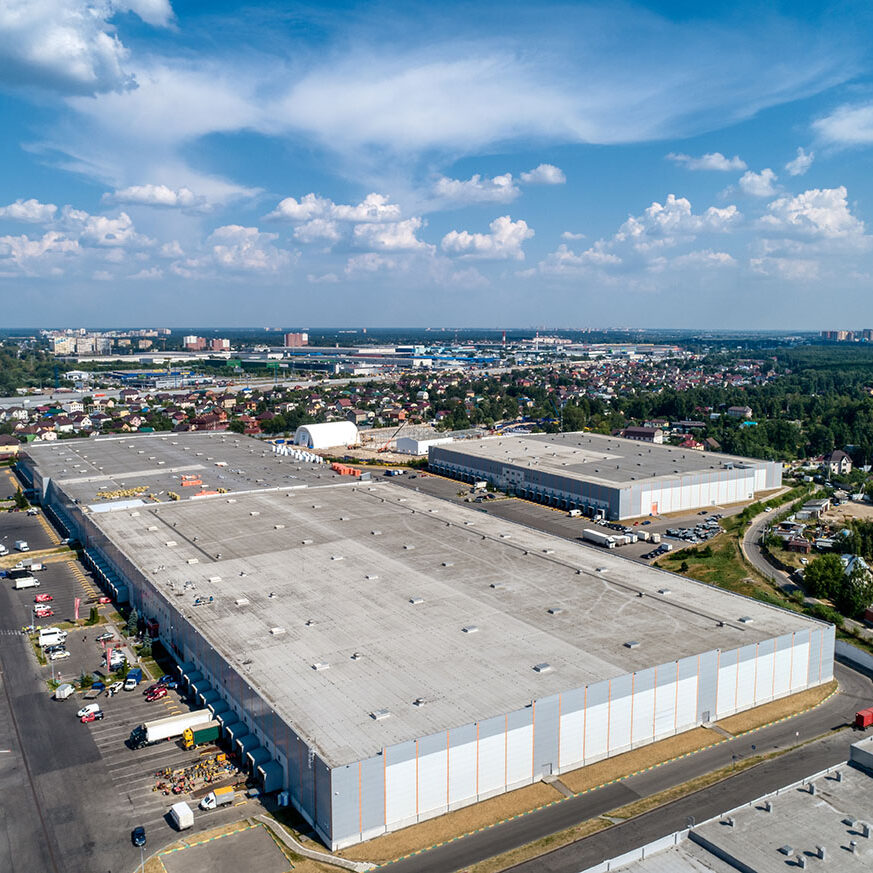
104, 600
91, 716
45, 612
157, 694
43, 598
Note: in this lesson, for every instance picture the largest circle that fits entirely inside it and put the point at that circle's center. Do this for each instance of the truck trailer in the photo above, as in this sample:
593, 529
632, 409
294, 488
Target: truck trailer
199, 734
151, 732
182, 815
598, 538
25, 582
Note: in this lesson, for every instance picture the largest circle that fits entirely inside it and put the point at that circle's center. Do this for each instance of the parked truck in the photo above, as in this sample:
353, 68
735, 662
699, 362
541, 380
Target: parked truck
598, 538
182, 815
219, 797
199, 734
22, 546
863, 719
25, 582
161, 729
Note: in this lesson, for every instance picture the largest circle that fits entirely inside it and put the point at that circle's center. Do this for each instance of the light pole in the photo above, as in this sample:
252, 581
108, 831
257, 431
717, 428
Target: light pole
142, 859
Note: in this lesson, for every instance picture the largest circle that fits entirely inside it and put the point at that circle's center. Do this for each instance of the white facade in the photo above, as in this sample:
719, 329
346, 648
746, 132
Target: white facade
412, 446
326, 435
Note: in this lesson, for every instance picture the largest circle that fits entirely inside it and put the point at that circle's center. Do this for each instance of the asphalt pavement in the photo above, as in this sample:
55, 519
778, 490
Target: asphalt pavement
830, 719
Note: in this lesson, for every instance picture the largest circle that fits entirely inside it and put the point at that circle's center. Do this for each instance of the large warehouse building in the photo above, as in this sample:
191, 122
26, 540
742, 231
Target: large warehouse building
385, 656
610, 476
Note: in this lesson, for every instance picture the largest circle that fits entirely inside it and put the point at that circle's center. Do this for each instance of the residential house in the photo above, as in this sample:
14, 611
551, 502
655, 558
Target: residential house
643, 434
740, 411
9, 446
838, 463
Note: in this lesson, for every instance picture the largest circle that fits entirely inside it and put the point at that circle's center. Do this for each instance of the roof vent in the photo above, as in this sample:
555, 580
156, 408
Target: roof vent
548, 551
152, 527
214, 579
555, 610
632, 644
376, 533
170, 543
242, 601
409, 547
746, 619
309, 622
277, 631
192, 560
420, 701
664, 591
448, 563
416, 600
499, 586
380, 714
356, 656
318, 666
471, 629
371, 577
469, 522
306, 542
278, 527
231, 499
254, 512
337, 557
506, 536
543, 668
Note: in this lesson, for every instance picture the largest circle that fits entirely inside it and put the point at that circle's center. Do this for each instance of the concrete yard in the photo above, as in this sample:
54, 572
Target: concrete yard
249, 848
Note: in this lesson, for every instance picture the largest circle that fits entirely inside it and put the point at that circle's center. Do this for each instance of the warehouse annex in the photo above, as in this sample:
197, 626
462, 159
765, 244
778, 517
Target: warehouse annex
609, 476
385, 656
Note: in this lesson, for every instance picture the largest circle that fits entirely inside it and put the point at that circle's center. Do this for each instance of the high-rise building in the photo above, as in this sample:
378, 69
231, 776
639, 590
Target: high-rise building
295, 340
220, 345
194, 343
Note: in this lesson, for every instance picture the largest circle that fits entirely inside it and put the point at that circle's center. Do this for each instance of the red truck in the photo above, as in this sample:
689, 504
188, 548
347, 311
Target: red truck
864, 718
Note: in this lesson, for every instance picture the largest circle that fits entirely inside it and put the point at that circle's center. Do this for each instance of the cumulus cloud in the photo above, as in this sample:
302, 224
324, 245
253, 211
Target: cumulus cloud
369, 262
477, 189
544, 174
246, 249
705, 258
801, 163
102, 230
35, 255
70, 46
374, 207
758, 184
504, 242
391, 236
148, 273
568, 234
30, 211
674, 221
847, 125
565, 261
157, 195
710, 161
323, 279
793, 269
821, 213
317, 230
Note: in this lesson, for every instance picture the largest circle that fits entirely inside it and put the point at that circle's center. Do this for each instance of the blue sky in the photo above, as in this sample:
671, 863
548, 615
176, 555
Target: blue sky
572, 165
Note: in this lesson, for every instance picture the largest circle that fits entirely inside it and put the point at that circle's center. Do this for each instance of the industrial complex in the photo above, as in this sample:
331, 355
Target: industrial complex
608, 476
385, 656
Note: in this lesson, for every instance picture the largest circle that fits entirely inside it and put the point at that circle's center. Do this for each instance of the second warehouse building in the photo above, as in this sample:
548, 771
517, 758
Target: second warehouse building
608, 476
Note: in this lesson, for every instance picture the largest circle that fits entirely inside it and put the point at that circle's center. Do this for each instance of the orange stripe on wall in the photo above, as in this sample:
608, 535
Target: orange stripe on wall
533, 732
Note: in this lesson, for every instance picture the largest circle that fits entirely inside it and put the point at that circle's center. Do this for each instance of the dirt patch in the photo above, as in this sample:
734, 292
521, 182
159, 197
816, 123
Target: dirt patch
840, 514
453, 824
611, 769
769, 712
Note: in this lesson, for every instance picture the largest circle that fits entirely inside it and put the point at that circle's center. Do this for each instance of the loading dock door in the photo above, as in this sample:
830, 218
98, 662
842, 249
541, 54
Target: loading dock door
271, 776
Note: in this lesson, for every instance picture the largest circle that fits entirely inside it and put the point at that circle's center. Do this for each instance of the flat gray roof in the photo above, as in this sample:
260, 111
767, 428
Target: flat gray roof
397, 576
607, 460
158, 461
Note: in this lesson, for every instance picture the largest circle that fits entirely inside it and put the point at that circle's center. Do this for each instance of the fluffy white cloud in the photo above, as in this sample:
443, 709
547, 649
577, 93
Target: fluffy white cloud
317, 230
568, 234
710, 161
801, 163
374, 207
504, 242
705, 258
477, 189
70, 45
323, 279
369, 263
792, 269
246, 249
847, 126
391, 236
564, 261
674, 221
544, 174
172, 250
758, 184
148, 273
157, 195
821, 213
35, 256
31, 211
102, 230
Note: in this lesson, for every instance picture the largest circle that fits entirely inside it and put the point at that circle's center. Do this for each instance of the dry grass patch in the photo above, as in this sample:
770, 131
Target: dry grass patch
452, 824
623, 765
769, 712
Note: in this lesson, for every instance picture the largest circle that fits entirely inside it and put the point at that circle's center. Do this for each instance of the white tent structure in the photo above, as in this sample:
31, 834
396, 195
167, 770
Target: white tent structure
327, 435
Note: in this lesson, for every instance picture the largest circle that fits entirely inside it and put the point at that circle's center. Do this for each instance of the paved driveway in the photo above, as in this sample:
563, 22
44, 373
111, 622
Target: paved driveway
251, 848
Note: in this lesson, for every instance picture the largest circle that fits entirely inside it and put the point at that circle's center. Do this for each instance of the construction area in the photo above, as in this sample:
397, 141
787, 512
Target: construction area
385, 656
605, 476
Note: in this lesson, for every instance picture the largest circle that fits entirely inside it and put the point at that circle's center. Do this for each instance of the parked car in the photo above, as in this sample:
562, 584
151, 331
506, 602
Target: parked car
45, 612
106, 635
157, 694
43, 598
92, 716
114, 688
88, 707
59, 656
138, 836
58, 647
104, 600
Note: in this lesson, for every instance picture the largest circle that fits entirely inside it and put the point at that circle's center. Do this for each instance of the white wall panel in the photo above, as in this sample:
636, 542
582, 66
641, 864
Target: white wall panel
800, 660
432, 778
519, 742
400, 786
644, 707
462, 769
764, 672
492, 755
746, 678
782, 666
620, 714
665, 700
727, 683
686, 704
572, 724
596, 721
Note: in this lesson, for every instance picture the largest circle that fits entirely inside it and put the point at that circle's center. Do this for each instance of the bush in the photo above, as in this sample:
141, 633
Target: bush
683, 566
825, 613
86, 680
93, 616
145, 649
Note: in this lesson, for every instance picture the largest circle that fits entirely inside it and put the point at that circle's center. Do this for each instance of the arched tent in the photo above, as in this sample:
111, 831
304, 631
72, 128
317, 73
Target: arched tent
326, 435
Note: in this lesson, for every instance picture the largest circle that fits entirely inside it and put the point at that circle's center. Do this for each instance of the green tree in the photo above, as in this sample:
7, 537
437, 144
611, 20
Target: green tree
21, 500
145, 649
132, 622
823, 576
856, 592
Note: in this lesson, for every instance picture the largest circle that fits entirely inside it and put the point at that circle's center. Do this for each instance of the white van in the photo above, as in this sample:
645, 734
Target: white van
575, 513
22, 546
51, 636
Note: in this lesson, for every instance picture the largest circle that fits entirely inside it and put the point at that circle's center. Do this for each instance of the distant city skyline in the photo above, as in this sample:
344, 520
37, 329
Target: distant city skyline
648, 164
